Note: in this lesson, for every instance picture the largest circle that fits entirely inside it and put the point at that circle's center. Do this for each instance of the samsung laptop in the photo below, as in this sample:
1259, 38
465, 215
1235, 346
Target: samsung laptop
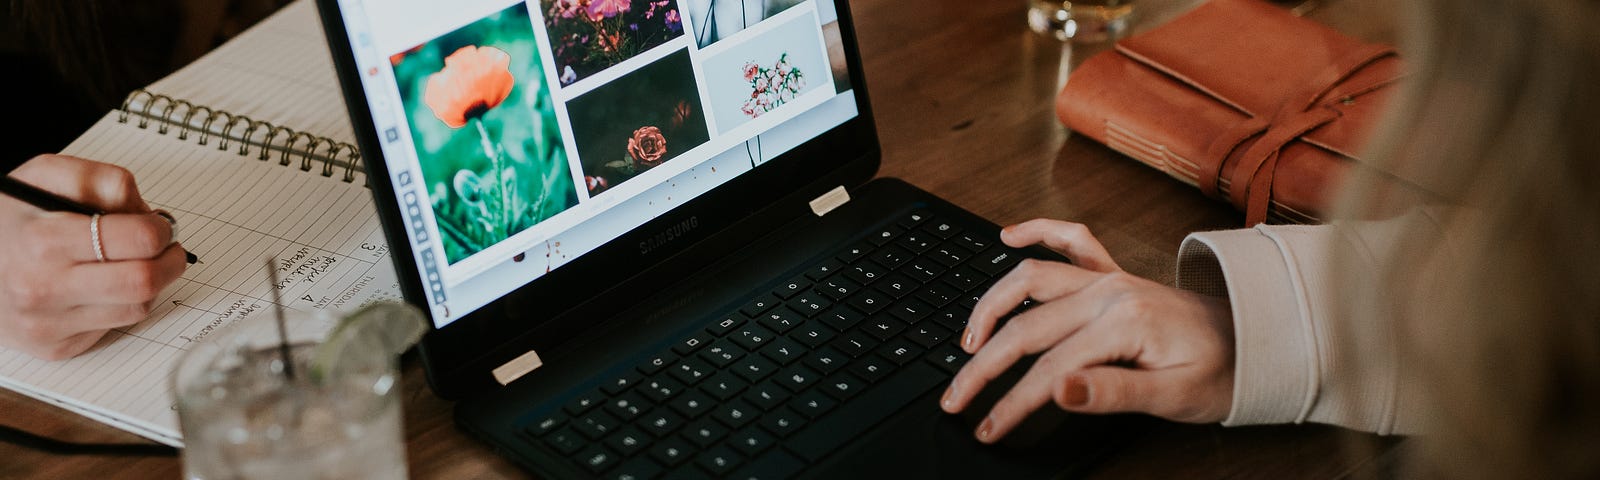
646, 238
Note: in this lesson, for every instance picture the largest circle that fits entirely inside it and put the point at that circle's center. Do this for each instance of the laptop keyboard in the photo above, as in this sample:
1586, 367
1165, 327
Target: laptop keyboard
795, 372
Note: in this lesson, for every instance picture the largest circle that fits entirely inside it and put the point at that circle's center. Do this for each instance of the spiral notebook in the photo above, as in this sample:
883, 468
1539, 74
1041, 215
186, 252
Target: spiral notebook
250, 148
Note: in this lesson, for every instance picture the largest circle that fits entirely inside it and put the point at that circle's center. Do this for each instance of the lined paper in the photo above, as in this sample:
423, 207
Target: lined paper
233, 211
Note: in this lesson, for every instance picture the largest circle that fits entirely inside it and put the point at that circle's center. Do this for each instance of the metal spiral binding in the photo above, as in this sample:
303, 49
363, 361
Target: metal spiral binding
230, 123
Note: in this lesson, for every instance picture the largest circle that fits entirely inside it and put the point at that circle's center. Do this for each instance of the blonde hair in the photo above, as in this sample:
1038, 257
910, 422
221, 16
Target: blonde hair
1492, 296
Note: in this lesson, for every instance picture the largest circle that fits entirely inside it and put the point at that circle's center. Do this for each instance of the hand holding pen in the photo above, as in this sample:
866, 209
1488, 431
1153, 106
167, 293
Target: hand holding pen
81, 253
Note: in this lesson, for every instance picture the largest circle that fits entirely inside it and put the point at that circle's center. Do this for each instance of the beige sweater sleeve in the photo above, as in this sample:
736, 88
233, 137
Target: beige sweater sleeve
1288, 365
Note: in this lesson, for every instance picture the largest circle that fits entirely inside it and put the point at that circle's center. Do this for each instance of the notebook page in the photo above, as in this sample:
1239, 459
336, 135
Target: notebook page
233, 212
278, 70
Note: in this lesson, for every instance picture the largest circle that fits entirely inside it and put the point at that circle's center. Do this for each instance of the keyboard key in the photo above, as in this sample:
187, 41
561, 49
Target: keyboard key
759, 305
754, 368
628, 441
628, 406
865, 412
752, 337
869, 301
812, 334
812, 403
897, 286
735, 414
915, 241
943, 230
996, 262
948, 256
881, 328
636, 469
842, 386
705, 432
953, 318
624, 382
767, 396
923, 270
810, 304
751, 441
884, 236
656, 363
938, 295
596, 424
792, 287
824, 269
916, 217
691, 371
782, 422
928, 335
872, 368
783, 351
948, 358
901, 351
780, 319
544, 425
865, 272
911, 311
855, 344
565, 440
597, 459
661, 389
692, 404
724, 385
671, 451
722, 352
661, 422
694, 342
841, 318
854, 252
891, 257
797, 378
838, 287
827, 360
725, 325
719, 461
964, 278
583, 403
973, 242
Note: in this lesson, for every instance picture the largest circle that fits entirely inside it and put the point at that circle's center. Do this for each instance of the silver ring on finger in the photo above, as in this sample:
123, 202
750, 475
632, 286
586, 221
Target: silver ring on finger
94, 237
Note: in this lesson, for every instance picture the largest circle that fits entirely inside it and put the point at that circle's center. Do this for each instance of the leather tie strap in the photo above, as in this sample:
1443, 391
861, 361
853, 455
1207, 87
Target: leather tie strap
1250, 185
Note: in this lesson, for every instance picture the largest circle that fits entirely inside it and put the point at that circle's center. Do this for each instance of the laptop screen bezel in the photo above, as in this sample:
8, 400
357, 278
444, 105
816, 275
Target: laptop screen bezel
458, 357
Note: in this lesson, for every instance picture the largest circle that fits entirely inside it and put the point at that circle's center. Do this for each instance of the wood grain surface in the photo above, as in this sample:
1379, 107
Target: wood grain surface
963, 96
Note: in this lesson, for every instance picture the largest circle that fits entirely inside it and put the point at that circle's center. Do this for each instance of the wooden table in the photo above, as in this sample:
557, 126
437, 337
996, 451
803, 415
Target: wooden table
963, 95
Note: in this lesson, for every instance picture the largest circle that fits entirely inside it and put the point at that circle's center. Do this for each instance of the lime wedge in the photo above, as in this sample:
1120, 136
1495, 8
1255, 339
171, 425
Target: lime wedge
375, 333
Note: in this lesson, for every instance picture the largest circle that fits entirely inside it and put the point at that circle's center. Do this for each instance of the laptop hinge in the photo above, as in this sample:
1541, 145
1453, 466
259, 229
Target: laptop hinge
517, 367
829, 201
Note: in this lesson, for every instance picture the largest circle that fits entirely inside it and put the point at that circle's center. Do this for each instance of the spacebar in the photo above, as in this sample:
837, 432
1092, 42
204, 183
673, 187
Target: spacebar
856, 416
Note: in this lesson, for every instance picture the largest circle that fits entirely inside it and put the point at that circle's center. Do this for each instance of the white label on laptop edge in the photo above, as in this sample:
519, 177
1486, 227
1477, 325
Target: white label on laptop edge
517, 367
829, 201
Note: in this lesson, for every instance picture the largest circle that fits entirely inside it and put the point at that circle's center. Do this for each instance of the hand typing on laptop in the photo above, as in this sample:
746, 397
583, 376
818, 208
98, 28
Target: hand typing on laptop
1108, 341
68, 277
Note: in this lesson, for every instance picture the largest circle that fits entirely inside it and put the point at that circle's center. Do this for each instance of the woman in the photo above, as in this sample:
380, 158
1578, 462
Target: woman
1473, 320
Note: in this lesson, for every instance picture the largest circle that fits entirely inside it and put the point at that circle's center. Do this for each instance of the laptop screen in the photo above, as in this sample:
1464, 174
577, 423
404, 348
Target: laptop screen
519, 136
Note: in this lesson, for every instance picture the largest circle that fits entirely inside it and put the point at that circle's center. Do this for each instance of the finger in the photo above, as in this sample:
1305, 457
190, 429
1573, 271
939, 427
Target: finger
100, 185
1040, 280
1033, 391
1111, 389
1072, 240
126, 282
1030, 332
123, 236
100, 318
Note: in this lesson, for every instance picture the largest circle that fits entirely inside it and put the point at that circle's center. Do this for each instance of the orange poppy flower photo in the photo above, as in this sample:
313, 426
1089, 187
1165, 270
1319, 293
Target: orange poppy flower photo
484, 127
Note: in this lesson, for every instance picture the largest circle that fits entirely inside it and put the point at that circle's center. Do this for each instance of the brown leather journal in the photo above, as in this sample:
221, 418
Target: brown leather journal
1242, 99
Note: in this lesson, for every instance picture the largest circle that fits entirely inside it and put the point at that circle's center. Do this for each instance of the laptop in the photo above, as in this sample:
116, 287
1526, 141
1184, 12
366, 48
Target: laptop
649, 241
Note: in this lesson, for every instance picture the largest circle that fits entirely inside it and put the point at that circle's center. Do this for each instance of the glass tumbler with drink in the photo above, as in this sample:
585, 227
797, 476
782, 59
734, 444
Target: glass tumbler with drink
1082, 21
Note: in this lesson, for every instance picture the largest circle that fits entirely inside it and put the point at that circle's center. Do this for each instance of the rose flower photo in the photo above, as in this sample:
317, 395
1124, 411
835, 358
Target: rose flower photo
485, 131
588, 36
637, 122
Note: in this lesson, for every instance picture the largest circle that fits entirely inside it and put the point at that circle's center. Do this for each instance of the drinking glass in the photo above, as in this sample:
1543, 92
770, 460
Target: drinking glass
1081, 21
247, 413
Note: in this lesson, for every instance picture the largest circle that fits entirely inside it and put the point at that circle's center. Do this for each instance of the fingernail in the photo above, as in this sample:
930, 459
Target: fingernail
985, 429
1076, 392
945, 401
967, 338
165, 215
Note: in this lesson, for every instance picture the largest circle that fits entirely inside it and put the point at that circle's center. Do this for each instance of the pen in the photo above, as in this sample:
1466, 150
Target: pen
56, 203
